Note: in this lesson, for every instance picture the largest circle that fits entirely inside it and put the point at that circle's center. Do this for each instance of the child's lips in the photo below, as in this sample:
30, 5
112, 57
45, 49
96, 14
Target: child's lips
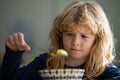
76, 49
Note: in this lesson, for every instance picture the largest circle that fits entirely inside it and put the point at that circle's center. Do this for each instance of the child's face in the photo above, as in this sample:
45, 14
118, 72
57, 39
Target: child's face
78, 42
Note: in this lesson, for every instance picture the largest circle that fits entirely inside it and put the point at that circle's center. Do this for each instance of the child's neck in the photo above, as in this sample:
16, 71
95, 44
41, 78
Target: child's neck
74, 62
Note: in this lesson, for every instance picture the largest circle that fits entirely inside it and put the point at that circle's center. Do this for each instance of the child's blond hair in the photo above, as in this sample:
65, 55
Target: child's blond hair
92, 14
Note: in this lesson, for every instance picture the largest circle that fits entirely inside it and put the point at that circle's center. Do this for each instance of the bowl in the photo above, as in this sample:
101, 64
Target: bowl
62, 74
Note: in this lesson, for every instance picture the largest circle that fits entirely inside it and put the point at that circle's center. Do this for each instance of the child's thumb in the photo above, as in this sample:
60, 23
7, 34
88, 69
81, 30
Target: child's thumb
27, 47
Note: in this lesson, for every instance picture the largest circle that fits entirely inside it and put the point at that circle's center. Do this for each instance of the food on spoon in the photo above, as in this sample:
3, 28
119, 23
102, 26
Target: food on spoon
62, 52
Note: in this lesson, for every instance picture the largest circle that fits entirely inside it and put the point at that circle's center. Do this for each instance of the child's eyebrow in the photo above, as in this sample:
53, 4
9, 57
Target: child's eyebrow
68, 31
86, 33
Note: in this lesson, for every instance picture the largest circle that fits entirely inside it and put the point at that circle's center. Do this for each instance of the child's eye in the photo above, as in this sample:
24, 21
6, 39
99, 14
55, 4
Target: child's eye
69, 34
84, 36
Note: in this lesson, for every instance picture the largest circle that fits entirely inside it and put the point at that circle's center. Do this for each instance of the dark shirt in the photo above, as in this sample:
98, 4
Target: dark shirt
11, 68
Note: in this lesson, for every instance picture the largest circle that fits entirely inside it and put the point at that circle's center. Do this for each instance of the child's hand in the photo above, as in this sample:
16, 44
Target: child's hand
16, 42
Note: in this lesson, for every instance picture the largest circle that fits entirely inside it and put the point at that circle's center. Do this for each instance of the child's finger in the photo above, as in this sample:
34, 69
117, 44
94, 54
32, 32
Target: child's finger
21, 38
26, 47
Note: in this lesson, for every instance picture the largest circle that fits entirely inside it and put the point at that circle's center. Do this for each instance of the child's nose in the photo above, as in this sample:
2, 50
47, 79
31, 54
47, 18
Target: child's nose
76, 41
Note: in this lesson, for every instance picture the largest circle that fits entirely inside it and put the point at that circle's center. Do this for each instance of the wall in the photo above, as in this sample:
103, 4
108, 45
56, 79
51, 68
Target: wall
34, 18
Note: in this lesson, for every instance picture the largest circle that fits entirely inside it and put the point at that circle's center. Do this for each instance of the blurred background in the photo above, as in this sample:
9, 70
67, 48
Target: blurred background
34, 18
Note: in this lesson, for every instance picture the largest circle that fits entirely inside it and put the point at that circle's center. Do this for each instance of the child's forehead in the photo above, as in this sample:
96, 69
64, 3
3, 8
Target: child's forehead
78, 28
